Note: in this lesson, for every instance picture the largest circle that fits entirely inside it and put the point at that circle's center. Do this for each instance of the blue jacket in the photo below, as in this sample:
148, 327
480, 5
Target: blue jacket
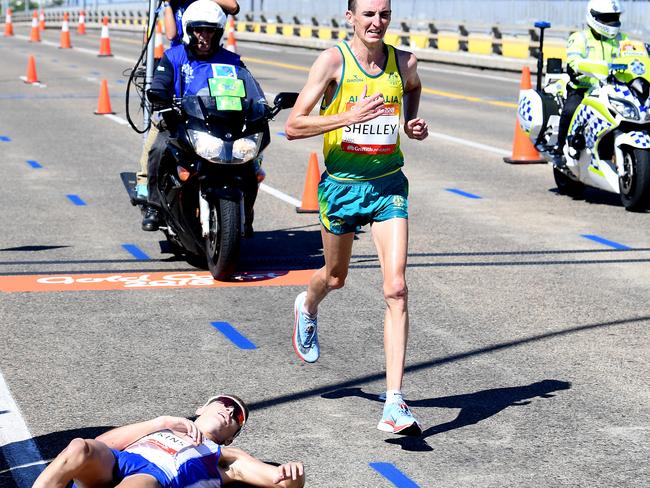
179, 73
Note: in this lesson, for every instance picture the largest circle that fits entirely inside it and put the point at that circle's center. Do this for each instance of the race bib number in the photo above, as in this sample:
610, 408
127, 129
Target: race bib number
163, 440
376, 136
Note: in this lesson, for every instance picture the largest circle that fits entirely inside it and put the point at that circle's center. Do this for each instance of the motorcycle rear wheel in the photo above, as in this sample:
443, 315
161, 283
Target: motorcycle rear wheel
567, 186
222, 242
635, 184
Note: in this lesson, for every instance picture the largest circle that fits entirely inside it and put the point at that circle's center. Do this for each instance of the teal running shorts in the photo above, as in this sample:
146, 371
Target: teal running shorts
346, 204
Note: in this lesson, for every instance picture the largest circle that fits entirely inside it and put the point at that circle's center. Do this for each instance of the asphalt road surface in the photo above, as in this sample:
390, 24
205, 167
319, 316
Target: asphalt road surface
528, 354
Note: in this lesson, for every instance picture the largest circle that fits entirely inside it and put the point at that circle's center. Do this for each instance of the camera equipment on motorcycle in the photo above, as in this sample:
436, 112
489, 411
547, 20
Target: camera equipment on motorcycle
603, 16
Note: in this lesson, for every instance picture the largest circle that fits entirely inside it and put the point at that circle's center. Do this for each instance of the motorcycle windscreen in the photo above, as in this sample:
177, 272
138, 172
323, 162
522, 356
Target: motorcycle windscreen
232, 94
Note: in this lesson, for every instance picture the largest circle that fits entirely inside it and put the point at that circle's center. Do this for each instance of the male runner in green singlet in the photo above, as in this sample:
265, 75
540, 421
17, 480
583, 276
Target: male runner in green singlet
365, 86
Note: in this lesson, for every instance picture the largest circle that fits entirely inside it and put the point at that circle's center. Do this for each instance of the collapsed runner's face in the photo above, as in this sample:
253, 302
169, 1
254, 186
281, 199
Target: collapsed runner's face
370, 19
220, 421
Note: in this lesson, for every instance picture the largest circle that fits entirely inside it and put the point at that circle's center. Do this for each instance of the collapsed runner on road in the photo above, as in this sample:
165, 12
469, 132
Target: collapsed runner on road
365, 86
170, 452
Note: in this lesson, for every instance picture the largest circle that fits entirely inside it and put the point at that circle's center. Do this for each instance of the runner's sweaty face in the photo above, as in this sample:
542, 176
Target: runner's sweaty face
370, 19
218, 421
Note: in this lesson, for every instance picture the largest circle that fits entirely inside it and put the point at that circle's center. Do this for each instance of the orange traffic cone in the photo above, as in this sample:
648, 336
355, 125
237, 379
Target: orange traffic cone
9, 26
159, 47
104, 103
523, 150
31, 71
309, 203
81, 26
105, 41
231, 43
65, 33
41, 21
35, 35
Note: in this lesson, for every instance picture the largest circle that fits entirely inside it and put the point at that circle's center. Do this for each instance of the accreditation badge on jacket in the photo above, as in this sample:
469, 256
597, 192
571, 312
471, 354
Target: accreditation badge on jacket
376, 136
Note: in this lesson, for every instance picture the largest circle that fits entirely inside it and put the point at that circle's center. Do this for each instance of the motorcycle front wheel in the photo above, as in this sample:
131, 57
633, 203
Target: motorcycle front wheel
222, 242
635, 183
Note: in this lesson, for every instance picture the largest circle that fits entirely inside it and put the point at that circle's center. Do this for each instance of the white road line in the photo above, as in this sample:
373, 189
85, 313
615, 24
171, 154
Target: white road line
465, 142
80, 49
278, 194
117, 119
18, 447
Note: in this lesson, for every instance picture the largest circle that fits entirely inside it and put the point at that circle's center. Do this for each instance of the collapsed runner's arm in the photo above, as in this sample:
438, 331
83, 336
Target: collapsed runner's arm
323, 72
237, 465
122, 437
414, 127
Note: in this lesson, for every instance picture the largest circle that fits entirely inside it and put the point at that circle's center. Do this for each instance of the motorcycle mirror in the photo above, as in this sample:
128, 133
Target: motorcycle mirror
285, 100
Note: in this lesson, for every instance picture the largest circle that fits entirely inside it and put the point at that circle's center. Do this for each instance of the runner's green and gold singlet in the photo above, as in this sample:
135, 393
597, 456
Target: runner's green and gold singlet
370, 149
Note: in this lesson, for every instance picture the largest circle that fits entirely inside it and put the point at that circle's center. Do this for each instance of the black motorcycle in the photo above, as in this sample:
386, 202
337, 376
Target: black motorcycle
207, 180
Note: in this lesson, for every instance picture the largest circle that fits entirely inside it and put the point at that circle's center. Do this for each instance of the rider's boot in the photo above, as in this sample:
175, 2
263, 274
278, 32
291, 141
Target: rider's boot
151, 220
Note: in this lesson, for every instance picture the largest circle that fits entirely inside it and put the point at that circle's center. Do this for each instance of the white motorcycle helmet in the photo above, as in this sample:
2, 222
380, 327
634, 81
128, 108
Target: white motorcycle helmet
203, 13
604, 17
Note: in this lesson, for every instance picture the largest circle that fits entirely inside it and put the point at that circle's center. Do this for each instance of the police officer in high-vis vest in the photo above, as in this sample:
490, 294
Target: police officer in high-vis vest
184, 70
588, 52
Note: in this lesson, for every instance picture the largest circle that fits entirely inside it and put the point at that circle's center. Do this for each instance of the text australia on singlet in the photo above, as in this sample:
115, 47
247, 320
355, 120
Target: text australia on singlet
376, 136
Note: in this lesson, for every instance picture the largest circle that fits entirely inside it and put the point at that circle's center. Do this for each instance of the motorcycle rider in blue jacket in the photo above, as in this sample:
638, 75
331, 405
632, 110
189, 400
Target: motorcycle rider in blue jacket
184, 70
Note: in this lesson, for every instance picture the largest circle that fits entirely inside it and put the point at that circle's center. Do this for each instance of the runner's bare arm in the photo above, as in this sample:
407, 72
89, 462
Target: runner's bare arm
414, 127
229, 6
325, 70
121, 437
237, 465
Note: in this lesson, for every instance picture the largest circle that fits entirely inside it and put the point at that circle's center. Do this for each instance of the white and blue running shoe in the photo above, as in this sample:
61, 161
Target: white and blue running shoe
398, 419
305, 333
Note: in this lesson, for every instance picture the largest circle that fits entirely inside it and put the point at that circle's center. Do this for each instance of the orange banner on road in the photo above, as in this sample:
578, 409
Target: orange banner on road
148, 281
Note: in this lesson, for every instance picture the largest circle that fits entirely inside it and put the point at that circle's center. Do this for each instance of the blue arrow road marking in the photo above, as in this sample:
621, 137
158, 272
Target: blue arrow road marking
606, 242
136, 252
5, 139
235, 337
394, 475
34, 164
76, 200
463, 193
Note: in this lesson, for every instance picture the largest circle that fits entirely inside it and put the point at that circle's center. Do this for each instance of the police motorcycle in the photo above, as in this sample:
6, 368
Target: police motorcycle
608, 143
207, 173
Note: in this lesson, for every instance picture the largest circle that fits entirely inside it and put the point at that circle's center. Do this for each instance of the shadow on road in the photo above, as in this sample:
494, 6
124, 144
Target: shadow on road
474, 407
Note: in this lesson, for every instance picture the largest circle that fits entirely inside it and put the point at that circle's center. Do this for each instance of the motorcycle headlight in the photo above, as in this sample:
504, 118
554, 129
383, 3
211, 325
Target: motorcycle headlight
625, 108
207, 146
246, 148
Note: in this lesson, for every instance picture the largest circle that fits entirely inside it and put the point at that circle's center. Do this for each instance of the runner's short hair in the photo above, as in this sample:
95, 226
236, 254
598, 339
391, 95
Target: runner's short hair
352, 5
